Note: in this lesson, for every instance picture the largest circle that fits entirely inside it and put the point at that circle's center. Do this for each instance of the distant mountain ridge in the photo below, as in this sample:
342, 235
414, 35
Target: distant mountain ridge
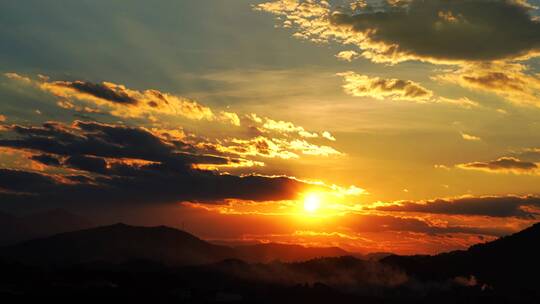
122, 243
264, 253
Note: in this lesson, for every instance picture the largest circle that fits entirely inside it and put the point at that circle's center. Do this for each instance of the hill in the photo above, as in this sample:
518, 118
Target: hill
122, 243
508, 262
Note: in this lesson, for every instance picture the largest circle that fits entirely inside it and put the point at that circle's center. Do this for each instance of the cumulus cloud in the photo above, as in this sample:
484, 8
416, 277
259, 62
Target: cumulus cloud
121, 101
126, 102
485, 54
270, 138
448, 30
503, 164
436, 30
493, 206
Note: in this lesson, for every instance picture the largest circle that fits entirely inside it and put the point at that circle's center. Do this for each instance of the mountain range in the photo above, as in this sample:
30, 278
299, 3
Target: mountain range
122, 243
163, 264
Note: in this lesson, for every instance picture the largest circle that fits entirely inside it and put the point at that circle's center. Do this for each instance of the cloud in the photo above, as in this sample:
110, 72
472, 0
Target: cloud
286, 127
46, 159
284, 139
328, 136
148, 184
2, 118
436, 31
396, 89
121, 101
96, 163
467, 35
503, 164
493, 206
264, 124
462, 102
470, 137
448, 30
511, 81
106, 90
380, 88
273, 148
362, 223
532, 154
15, 76
125, 102
347, 55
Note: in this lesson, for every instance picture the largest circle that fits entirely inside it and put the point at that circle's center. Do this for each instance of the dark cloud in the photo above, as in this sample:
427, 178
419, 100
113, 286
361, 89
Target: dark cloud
494, 80
87, 163
502, 164
148, 184
119, 164
110, 93
25, 182
450, 29
532, 154
494, 206
103, 140
378, 223
46, 159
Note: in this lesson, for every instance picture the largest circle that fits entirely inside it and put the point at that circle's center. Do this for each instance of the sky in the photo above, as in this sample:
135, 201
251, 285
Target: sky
407, 126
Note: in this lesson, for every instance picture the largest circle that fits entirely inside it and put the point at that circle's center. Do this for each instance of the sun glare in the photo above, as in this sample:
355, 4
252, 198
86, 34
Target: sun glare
312, 202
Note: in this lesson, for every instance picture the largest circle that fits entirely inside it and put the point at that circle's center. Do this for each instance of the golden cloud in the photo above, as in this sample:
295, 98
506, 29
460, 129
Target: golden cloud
273, 148
470, 137
124, 102
508, 80
380, 88
282, 139
347, 55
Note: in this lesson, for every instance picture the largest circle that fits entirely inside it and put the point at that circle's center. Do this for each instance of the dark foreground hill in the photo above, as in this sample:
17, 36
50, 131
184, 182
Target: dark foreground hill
509, 262
144, 265
122, 243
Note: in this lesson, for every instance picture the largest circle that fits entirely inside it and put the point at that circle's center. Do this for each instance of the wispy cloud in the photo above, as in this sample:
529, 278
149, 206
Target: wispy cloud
503, 165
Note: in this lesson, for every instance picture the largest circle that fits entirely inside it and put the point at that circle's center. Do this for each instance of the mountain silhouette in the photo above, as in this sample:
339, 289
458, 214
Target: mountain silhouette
264, 253
122, 243
508, 262
166, 265
118, 243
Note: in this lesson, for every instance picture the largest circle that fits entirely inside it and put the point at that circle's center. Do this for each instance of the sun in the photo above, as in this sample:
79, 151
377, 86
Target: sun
312, 202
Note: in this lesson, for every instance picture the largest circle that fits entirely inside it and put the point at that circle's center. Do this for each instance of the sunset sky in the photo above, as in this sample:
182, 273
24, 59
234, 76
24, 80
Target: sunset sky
407, 126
